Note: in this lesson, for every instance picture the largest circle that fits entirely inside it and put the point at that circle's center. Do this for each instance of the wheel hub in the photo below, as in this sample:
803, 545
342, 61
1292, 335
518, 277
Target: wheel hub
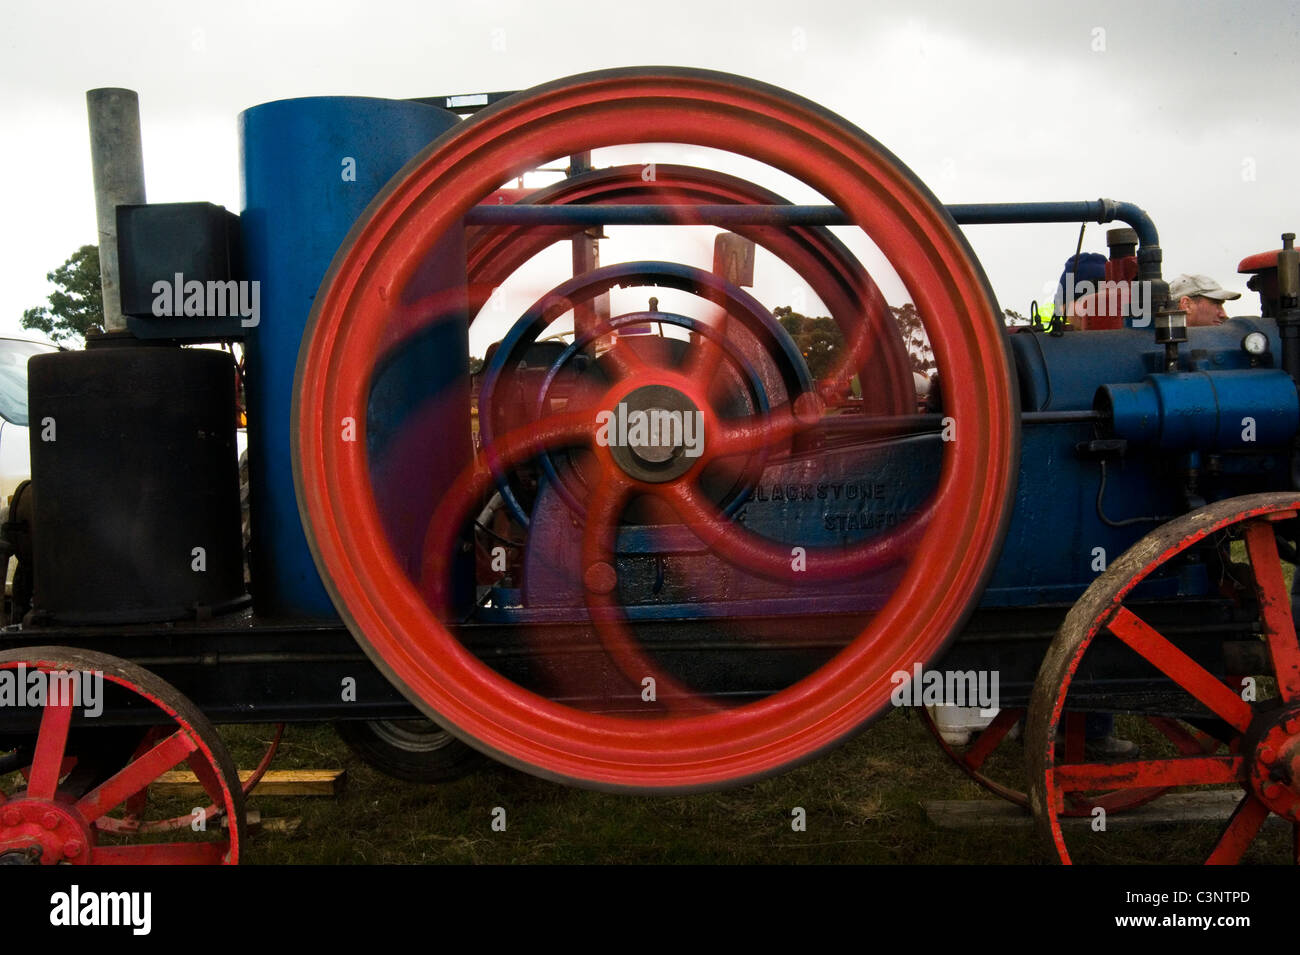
654, 434
1274, 769
43, 831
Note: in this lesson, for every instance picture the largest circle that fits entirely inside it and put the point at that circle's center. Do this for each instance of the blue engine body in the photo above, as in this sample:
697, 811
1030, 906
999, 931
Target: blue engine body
299, 205
1057, 542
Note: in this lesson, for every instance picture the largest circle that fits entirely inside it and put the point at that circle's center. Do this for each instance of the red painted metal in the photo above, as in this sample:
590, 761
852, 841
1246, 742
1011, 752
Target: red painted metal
1275, 609
1266, 734
1241, 830
972, 762
63, 827
1179, 667
133, 820
169, 853
1259, 262
50, 743
393, 620
1135, 774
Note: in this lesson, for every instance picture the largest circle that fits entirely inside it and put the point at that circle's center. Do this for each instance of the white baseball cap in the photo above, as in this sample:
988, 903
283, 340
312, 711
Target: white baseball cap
1203, 285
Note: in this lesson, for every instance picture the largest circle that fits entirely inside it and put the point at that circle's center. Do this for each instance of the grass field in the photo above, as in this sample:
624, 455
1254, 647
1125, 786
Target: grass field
863, 803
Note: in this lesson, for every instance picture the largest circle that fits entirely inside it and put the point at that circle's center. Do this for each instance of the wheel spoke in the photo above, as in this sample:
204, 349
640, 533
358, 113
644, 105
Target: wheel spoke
604, 510
1137, 774
1274, 607
528, 441
1240, 832
458, 502
135, 776
627, 363
1189, 744
990, 737
207, 776
706, 354
756, 433
51, 743
772, 559
162, 853
1181, 668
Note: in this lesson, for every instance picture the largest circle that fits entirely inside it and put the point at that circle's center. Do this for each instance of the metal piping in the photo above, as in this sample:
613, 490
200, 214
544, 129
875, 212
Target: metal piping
991, 213
117, 162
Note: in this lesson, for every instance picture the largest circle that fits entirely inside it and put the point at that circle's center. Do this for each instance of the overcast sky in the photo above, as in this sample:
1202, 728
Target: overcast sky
1188, 109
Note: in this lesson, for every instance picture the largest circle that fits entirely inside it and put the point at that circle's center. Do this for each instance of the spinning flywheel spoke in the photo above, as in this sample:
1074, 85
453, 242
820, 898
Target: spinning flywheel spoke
1262, 734
937, 556
600, 583
49, 821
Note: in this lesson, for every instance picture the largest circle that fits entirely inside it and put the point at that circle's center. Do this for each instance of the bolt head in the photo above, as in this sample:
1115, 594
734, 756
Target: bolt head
1267, 755
13, 817
72, 849
1273, 790
600, 578
50, 820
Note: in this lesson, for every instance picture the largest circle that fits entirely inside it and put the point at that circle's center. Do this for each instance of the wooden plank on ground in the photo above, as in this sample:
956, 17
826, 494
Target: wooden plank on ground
1184, 807
277, 782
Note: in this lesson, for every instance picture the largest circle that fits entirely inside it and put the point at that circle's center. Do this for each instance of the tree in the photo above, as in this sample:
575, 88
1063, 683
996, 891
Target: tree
77, 305
819, 339
915, 340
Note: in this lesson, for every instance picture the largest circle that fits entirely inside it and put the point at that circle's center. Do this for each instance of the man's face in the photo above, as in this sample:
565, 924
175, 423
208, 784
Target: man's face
1202, 311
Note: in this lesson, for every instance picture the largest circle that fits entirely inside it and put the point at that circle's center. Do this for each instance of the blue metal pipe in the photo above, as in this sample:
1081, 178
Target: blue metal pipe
988, 213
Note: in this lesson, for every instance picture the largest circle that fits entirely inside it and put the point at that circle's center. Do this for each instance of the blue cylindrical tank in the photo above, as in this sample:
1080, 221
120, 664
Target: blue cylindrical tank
1204, 410
309, 168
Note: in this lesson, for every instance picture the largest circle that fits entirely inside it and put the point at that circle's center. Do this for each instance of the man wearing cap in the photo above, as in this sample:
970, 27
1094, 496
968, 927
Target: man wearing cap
1201, 298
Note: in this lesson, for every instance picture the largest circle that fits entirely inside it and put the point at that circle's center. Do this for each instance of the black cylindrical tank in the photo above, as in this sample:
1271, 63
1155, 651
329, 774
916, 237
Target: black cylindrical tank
136, 484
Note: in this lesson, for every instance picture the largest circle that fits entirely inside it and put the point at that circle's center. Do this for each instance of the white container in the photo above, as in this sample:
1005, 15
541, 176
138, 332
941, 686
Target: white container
957, 723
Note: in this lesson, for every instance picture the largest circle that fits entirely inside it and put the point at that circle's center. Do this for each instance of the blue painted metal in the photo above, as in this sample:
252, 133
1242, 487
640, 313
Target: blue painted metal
1204, 410
309, 168
1057, 541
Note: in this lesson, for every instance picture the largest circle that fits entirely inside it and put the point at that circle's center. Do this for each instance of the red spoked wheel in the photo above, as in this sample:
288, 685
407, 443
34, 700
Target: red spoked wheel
942, 553
46, 818
1256, 732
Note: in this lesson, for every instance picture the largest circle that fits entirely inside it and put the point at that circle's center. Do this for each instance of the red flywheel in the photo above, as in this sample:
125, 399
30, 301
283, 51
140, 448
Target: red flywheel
951, 543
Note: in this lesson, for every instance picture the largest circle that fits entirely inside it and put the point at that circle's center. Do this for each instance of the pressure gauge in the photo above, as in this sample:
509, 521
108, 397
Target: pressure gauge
1255, 343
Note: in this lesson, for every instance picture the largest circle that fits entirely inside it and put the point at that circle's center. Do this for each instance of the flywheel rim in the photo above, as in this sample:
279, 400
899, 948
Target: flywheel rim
387, 615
